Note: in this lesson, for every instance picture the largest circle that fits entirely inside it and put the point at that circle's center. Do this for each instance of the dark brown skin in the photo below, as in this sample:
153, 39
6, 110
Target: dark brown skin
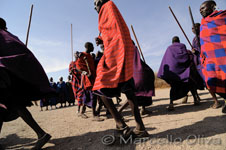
98, 4
207, 8
196, 28
90, 48
98, 41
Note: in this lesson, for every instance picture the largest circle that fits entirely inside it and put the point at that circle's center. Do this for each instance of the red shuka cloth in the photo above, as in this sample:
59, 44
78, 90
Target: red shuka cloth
116, 65
77, 77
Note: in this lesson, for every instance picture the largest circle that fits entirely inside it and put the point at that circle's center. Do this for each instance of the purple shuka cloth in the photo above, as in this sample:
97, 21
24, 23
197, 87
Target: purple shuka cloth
197, 61
196, 46
175, 64
28, 78
143, 77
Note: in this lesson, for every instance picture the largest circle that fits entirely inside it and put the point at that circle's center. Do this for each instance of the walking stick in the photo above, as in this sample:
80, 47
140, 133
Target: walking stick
71, 43
28, 31
193, 23
29, 25
138, 43
180, 26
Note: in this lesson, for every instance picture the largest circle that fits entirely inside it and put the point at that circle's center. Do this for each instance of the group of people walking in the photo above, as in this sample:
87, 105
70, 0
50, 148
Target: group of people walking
118, 69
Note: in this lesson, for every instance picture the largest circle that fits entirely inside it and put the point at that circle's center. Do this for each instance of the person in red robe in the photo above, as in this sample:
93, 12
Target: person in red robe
213, 48
115, 68
83, 76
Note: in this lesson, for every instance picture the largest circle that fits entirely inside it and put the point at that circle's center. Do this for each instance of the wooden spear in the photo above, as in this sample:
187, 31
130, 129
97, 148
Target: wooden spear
72, 53
29, 25
28, 30
180, 26
193, 23
138, 43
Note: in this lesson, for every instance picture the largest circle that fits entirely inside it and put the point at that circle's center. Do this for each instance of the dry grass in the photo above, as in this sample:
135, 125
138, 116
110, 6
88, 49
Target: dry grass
159, 83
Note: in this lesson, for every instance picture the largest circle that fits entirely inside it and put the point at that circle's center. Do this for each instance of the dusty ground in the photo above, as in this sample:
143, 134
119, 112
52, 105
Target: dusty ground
187, 128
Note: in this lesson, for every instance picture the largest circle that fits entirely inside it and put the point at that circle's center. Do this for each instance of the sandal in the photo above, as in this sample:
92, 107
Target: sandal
84, 116
145, 112
197, 102
41, 142
140, 134
215, 106
125, 132
98, 119
171, 108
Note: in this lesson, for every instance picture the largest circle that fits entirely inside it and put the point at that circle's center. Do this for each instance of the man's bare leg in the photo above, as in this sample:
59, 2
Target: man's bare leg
195, 96
216, 102
124, 105
224, 107
27, 117
135, 111
115, 114
43, 137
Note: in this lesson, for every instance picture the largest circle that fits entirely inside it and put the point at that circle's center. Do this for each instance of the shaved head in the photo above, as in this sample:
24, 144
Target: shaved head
3, 24
175, 39
207, 8
98, 4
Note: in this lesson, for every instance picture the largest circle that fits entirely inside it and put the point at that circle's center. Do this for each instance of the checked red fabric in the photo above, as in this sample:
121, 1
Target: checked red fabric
116, 65
213, 50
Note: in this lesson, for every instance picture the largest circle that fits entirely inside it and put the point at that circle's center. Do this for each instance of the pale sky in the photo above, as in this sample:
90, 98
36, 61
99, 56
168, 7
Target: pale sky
50, 39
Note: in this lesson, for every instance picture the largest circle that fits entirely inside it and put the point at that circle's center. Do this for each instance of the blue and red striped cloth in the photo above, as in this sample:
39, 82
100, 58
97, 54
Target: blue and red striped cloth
213, 50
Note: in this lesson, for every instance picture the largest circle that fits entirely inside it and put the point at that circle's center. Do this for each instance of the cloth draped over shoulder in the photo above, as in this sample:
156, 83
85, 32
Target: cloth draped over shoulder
28, 79
76, 80
81, 65
116, 64
175, 64
143, 77
213, 50
82, 84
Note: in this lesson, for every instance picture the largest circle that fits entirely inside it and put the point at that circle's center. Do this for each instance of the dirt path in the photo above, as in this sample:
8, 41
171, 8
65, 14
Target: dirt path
187, 128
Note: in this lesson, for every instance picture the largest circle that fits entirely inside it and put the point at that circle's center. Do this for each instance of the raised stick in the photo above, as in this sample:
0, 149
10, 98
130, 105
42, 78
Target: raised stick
29, 25
71, 43
138, 43
180, 26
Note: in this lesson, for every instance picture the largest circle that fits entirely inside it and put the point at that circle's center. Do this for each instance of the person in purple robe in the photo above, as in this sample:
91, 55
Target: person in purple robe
22, 80
144, 79
178, 70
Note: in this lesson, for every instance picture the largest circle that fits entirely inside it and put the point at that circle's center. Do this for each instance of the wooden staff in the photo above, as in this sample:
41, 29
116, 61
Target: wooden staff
29, 25
193, 23
138, 43
180, 26
28, 31
72, 53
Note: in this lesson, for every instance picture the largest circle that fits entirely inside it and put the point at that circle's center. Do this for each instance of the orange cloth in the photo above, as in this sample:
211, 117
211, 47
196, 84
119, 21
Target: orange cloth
116, 65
